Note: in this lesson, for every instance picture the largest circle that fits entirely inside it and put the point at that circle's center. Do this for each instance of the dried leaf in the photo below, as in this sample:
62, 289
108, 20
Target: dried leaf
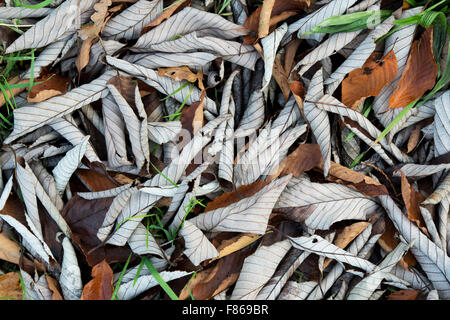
9, 250
369, 80
101, 286
10, 288
264, 18
419, 74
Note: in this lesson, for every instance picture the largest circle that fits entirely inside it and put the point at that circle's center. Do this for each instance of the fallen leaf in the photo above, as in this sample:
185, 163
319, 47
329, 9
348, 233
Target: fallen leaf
291, 50
264, 18
166, 14
412, 199
304, 158
54, 288
179, 73
388, 242
345, 236
242, 192
282, 9
84, 54
9, 250
192, 117
356, 180
369, 80
281, 78
229, 245
14, 91
10, 288
52, 85
407, 294
420, 72
101, 286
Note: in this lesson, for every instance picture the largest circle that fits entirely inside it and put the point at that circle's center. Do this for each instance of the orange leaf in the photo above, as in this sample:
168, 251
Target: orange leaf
84, 55
52, 85
412, 199
407, 294
166, 14
304, 158
178, 73
368, 80
10, 287
54, 288
101, 286
9, 250
420, 72
356, 180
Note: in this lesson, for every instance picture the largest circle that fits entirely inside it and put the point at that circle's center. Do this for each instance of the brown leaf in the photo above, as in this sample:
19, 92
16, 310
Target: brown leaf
229, 245
179, 73
218, 278
96, 181
412, 199
54, 288
101, 286
368, 80
407, 294
99, 18
291, 50
9, 250
420, 72
264, 18
388, 242
192, 118
166, 14
242, 192
356, 180
10, 288
281, 78
84, 54
282, 9
52, 85
347, 235
414, 137
84, 218
304, 158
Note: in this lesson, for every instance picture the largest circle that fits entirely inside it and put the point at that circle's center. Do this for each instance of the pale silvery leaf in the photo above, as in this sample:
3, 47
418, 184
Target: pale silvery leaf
411, 232
105, 47
325, 284
130, 22
163, 132
29, 285
48, 183
438, 279
114, 133
89, 112
142, 242
61, 22
425, 111
318, 119
443, 218
324, 204
46, 57
31, 242
307, 23
70, 279
400, 41
67, 166
363, 5
318, 245
253, 116
31, 117
366, 287
130, 290
333, 44
274, 286
331, 104
421, 170
105, 193
119, 202
430, 226
297, 291
134, 125
442, 125
433, 295
165, 85
247, 215
359, 56
270, 46
257, 270
198, 61
414, 278
187, 21
235, 52
197, 247
140, 202
267, 151
8, 13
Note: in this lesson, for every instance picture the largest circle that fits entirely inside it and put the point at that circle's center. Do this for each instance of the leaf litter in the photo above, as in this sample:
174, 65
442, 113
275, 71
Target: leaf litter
224, 150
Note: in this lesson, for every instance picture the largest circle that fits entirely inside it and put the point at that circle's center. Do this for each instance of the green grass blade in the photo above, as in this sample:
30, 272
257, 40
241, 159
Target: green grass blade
159, 279
225, 4
34, 6
119, 281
